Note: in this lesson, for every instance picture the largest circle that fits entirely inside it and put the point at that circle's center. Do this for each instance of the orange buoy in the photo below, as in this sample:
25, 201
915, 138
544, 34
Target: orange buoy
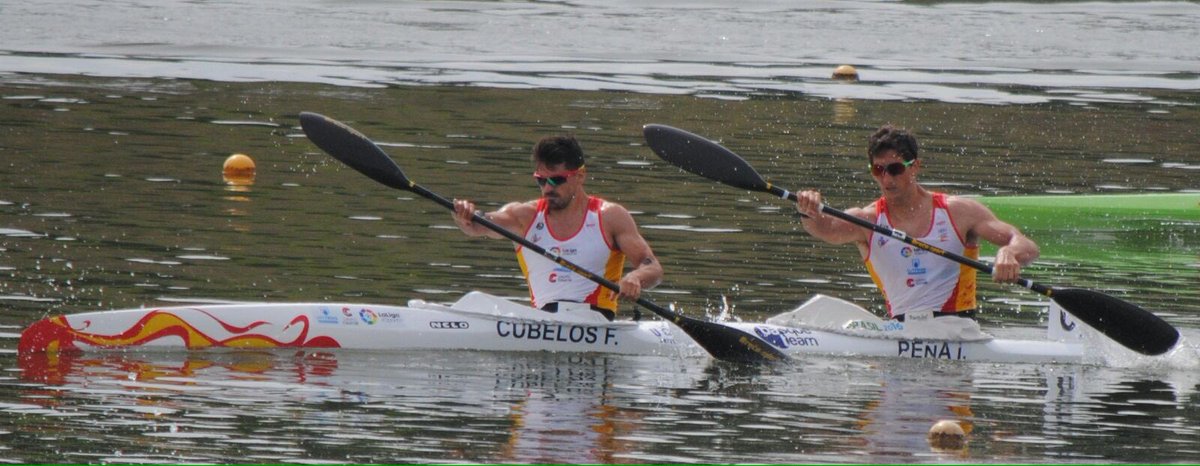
239, 170
947, 435
845, 73
239, 165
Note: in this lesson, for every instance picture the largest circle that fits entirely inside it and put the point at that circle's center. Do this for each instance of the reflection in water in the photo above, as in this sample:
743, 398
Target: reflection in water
559, 407
1141, 409
565, 415
898, 420
238, 172
288, 406
58, 368
844, 111
239, 187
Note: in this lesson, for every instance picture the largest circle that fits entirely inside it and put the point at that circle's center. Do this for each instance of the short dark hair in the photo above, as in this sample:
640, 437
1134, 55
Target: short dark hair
889, 137
552, 151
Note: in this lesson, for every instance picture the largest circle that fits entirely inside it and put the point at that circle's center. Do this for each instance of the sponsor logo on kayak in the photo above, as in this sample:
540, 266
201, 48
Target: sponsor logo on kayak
368, 316
348, 317
563, 333
450, 325
889, 326
918, 349
327, 316
785, 337
390, 317
906, 251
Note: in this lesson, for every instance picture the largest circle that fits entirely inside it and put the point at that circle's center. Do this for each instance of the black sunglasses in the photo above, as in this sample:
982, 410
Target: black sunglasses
555, 180
894, 168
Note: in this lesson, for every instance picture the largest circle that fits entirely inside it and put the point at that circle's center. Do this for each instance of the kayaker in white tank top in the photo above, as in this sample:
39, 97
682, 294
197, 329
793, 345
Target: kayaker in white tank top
587, 247
913, 279
910, 278
596, 234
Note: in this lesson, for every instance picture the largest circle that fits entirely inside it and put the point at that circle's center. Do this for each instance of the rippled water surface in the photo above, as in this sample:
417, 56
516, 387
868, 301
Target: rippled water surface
111, 196
488, 407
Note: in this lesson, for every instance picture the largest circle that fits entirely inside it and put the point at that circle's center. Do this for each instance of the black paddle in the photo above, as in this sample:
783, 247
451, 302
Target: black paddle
354, 149
1127, 324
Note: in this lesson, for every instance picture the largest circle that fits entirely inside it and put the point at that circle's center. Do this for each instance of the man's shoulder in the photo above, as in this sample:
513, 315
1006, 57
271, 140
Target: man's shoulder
605, 205
966, 210
963, 202
615, 216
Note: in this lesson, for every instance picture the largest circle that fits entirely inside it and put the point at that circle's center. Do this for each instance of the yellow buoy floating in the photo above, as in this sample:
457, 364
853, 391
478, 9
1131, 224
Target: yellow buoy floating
845, 73
239, 170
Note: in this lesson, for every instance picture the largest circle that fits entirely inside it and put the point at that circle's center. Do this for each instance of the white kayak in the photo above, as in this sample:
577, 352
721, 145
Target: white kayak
478, 321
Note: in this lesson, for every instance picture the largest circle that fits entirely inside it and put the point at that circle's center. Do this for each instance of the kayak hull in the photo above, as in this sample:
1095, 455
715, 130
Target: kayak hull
344, 325
476, 322
799, 342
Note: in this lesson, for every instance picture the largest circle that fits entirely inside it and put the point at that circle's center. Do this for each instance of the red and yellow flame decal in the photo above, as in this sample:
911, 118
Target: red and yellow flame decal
55, 334
57, 368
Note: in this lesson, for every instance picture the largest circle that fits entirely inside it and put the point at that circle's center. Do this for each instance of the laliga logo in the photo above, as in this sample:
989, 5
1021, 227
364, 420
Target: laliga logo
906, 251
368, 316
556, 251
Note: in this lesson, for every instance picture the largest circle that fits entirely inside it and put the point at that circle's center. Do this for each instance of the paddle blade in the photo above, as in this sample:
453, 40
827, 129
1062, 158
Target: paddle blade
703, 157
730, 344
1127, 324
353, 149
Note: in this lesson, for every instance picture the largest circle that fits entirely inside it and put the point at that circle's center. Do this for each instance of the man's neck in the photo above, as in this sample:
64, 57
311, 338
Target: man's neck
576, 205
908, 201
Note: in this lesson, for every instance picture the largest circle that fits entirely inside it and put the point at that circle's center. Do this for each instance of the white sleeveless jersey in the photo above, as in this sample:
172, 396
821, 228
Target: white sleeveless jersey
913, 279
587, 247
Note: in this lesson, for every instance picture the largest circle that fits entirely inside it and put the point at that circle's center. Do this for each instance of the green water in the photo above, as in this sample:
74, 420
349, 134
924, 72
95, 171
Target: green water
113, 197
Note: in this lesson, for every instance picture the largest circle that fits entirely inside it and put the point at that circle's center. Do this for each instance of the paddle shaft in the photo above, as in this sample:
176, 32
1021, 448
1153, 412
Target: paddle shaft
902, 236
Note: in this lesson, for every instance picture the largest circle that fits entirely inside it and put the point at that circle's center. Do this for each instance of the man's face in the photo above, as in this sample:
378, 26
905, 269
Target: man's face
892, 172
558, 184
